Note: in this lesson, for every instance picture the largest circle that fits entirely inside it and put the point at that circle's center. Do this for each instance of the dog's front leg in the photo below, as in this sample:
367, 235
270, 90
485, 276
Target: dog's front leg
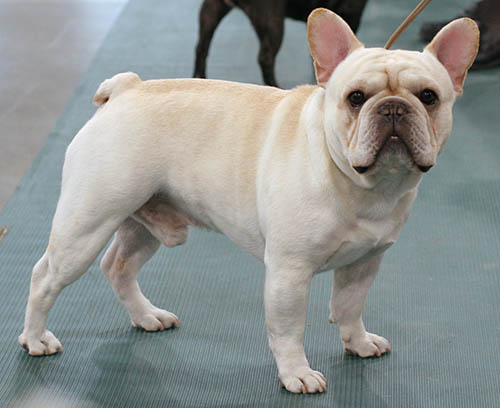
351, 286
285, 297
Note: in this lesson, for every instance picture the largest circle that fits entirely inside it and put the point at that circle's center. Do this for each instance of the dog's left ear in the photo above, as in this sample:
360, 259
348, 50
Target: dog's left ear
455, 46
331, 40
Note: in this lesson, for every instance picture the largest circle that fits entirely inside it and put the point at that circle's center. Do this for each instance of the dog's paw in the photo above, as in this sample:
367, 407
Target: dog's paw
45, 345
304, 381
155, 319
368, 346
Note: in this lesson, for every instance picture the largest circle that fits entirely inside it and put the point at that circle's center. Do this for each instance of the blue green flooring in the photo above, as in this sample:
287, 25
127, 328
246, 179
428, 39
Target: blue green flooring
437, 298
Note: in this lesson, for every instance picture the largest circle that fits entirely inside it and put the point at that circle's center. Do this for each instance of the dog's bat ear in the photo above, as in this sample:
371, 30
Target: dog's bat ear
456, 46
331, 40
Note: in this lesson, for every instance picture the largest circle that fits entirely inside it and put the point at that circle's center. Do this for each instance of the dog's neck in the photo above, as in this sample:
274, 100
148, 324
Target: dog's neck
391, 183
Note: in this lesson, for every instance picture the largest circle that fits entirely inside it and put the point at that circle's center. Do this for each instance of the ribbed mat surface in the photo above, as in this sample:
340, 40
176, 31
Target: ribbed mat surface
437, 298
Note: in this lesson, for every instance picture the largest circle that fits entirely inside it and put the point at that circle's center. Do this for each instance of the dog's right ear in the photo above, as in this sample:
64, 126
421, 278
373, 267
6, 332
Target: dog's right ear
331, 40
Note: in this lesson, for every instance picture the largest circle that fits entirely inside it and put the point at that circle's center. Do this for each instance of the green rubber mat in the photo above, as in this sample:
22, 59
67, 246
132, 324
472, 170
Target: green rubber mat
437, 298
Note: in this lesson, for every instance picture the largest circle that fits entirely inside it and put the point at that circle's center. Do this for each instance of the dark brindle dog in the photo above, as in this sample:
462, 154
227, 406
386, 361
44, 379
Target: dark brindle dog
267, 18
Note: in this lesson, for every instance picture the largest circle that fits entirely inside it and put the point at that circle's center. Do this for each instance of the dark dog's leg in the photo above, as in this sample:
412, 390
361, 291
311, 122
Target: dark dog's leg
211, 13
268, 25
351, 11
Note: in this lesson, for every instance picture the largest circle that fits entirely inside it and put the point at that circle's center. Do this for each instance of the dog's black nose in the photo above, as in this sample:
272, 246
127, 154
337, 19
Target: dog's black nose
424, 169
360, 169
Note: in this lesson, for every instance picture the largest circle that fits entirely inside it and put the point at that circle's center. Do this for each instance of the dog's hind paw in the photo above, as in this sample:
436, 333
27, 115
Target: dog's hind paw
45, 345
368, 346
155, 319
304, 381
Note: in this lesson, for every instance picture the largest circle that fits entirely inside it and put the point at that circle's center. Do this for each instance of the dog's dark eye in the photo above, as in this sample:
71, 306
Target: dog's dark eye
356, 98
428, 97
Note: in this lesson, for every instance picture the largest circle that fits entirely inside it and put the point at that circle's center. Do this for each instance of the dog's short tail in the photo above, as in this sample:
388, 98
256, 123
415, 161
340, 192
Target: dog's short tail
114, 86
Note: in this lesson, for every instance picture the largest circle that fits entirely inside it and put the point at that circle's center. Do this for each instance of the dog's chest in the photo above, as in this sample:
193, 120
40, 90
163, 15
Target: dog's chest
360, 242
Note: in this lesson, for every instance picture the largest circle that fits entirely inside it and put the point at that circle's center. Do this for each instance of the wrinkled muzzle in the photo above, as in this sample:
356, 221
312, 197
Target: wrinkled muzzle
392, 126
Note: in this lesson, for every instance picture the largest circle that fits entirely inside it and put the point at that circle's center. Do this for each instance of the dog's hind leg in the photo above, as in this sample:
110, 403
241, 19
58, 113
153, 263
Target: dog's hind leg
96, 198
211, 14
131, 248
72, 248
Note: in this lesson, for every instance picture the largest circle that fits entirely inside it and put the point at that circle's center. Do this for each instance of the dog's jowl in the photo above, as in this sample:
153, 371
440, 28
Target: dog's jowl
311, 179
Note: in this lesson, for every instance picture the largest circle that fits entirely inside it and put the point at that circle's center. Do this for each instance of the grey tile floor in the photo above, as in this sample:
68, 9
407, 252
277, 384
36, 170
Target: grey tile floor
45, 47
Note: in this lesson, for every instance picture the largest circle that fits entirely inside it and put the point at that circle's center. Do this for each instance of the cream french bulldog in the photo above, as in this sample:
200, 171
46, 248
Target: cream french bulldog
310, 179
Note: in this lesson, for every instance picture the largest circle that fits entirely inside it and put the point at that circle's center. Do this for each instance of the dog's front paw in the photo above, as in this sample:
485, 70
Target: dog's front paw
303, 381
155, 319
368, 345
44, 345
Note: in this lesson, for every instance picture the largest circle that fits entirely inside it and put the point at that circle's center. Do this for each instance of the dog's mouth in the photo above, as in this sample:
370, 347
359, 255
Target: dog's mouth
393, 147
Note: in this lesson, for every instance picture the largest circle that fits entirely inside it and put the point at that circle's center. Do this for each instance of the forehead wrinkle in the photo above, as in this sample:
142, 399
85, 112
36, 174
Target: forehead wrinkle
392, 73
376, 69
394, 70
392, 64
